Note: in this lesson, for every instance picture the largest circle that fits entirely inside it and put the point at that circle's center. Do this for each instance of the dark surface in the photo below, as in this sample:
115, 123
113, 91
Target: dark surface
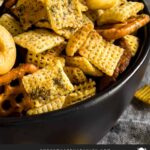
86, 122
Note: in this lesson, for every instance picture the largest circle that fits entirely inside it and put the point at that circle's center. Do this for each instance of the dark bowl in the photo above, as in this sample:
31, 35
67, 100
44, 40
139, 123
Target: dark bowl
83, 123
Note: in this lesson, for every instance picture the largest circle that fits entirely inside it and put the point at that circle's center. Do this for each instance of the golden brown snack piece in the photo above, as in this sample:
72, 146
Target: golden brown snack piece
143, 94
81, 92
100, 4
30, 12
75, 75
116, 31
120, 13
38, 40
84, 65
63, 14
131, 43
7, 51
13, 98
102, 54
11, 24
123, 63
49, 106
48, 83
78, 39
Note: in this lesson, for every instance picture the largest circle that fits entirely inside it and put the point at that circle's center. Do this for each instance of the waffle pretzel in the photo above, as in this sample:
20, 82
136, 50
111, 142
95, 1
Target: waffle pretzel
13, 98
116, 31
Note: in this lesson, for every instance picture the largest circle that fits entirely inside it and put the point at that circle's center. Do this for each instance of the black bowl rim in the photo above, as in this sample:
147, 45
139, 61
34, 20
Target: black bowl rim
145, 51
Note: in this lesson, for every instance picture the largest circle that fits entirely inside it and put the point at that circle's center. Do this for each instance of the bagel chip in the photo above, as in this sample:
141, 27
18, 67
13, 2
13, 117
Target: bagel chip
11, 24
81, 92
84, 65
102, 54
51, 105
48, 83
143, 94
38, 40
75, 75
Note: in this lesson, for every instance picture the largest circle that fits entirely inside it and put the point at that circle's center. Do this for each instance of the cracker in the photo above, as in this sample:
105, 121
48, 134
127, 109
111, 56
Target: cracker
50, 106
48, 83
11, 24
102, 54
143, 94
78, 39
63, 14
27, 11
43, 24
81, 93
75, 75
38, 40
84, 65
43, 59
131, 43
120, 13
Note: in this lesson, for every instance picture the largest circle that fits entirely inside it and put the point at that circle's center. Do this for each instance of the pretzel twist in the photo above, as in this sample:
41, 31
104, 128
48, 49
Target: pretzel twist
13, 98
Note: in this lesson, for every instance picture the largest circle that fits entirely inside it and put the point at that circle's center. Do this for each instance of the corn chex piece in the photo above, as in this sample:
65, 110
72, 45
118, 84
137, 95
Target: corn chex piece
84, 65
143, 94
48, 83
81, 92
27, 11
120, 13
68, 32
43, 24
63, 14
102, 54
78, 39
48, 107
131, 43
11, 24
43, 59
39, 40
75, 75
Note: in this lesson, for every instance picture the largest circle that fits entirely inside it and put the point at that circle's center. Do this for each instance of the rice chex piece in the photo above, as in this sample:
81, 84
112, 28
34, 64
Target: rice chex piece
131, 43
120, 13
27, 10
48, 83
102, 54
81, 93
78, 39
43, 24
143, 94
63, 14
50, 106
11, 24
43, 59
39, 40
84, 65
75, 75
